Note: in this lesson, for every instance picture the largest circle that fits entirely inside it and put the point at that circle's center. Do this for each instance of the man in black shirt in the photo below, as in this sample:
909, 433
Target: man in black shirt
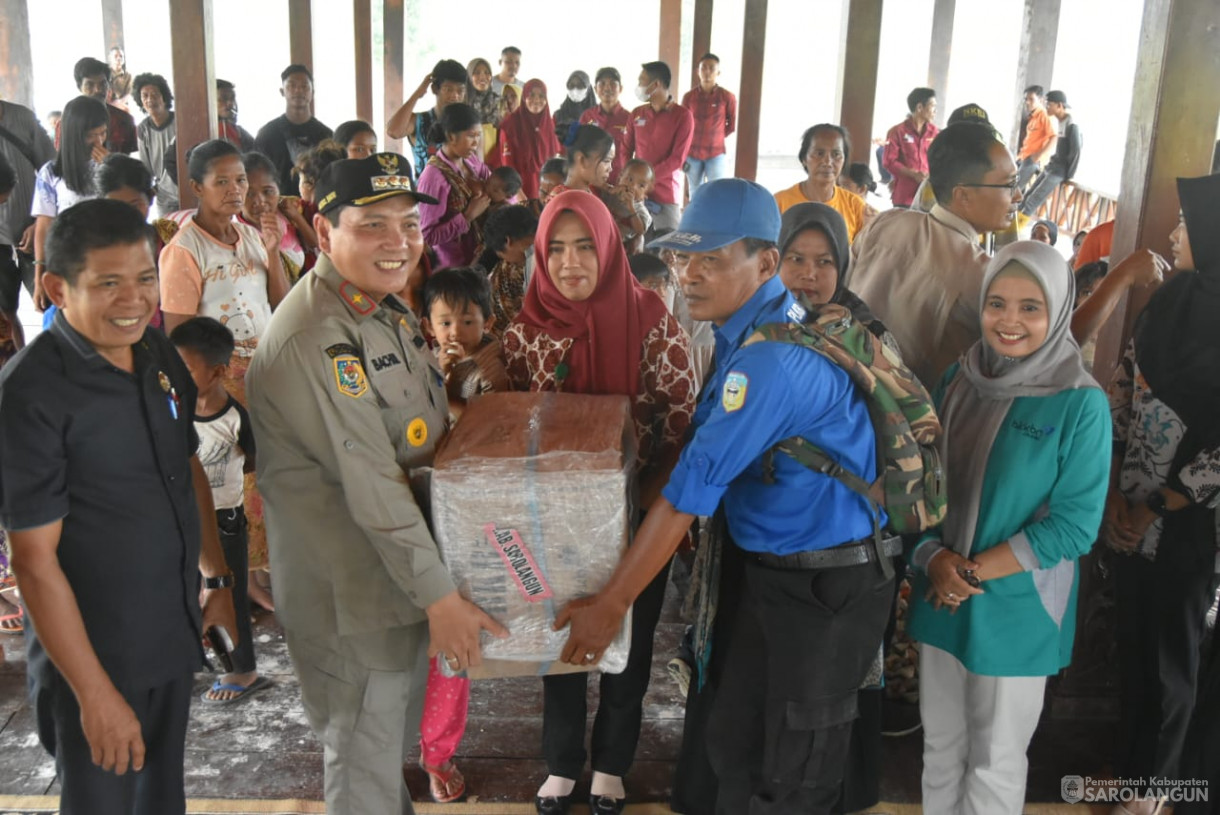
283, 140
110, 519
1062, 164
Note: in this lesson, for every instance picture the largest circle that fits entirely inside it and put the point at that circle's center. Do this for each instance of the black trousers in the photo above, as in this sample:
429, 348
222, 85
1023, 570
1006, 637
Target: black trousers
780, 728
158, 789
1162, 608
235, 542
616, 728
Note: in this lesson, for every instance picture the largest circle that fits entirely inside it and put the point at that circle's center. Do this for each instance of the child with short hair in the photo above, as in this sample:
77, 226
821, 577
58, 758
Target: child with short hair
553, 173
508, 253
226, 451
634, 184
502, 187
457, 301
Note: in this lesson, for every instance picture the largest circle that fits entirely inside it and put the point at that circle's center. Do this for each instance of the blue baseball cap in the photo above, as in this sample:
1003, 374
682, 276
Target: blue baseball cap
721, 212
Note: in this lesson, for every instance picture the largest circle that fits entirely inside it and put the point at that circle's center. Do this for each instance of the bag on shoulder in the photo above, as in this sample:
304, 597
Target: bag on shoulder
911, 481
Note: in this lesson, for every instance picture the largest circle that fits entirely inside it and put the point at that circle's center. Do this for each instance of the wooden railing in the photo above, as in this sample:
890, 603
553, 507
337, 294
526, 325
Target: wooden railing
1074, 207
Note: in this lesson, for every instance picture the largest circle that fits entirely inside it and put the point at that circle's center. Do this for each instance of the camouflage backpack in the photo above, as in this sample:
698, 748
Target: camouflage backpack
910, 484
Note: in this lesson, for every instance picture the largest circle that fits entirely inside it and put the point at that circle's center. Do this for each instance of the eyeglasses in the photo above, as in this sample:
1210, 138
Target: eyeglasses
1011, 186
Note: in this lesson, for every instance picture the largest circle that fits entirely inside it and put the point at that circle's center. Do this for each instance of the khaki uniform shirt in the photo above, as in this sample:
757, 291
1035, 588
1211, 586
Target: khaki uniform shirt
922, 275
345, 397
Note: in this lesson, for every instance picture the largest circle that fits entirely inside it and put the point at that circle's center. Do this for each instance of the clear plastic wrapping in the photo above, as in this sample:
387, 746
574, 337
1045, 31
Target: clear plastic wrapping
532, 507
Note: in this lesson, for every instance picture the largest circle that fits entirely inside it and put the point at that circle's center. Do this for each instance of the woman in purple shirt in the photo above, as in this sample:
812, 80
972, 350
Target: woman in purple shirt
454, 177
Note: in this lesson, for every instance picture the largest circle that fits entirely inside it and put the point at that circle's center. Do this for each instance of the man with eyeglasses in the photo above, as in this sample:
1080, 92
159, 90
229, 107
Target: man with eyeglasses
921, 272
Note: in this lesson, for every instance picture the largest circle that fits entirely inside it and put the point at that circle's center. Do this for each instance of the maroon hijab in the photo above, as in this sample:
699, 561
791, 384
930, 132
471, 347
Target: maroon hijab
529, 139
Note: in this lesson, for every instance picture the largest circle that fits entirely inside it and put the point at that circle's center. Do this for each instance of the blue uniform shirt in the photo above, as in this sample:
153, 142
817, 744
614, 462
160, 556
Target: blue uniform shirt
755, 398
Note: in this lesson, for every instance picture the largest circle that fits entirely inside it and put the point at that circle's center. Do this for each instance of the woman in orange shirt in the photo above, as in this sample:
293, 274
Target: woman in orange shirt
825, 150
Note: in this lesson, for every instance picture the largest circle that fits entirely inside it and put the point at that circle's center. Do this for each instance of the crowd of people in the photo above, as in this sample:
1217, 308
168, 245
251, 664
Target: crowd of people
246, 386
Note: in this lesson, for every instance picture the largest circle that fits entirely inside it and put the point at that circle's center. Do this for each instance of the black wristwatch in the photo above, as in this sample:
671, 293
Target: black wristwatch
224, 581
1156, 503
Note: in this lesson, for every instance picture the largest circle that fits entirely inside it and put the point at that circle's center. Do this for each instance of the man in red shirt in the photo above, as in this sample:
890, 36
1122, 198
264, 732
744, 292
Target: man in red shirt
906, 147
662, 131
93, 79
715, 113
611, 117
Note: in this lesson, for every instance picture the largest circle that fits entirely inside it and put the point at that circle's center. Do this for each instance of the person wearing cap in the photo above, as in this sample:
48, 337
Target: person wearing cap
800, 571
1045, 231
612, 117
345, 400
1062, 165
925, 198
1037, 136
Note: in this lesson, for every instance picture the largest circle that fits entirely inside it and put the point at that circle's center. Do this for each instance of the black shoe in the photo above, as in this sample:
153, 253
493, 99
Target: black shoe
606, 805
553, 804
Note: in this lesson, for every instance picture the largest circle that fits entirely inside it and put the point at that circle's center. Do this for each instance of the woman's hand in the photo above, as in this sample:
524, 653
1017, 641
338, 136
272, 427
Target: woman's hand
1116, 523
99, 153
948, 587
269, 232
477, 206
423, 87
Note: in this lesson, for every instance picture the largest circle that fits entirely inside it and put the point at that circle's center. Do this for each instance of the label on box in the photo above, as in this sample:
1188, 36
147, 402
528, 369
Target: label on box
520, 562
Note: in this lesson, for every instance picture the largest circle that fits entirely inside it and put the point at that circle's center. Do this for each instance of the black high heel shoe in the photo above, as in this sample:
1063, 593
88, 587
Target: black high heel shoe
606, 805
553, 804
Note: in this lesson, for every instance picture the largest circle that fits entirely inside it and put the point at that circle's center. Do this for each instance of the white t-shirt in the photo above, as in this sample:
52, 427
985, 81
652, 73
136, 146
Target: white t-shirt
200, 276
51, 193
225, 440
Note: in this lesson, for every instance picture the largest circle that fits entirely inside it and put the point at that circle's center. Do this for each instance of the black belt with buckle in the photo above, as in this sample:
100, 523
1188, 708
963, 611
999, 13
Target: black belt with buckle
856, 553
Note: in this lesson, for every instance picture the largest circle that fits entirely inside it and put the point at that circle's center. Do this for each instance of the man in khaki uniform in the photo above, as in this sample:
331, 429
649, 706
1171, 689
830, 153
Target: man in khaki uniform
346, 398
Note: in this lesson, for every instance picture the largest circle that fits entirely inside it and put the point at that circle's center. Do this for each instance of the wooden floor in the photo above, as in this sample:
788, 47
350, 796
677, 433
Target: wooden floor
264, 749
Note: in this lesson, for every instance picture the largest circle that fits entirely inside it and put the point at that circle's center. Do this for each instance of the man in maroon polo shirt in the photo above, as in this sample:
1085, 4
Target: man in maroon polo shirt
906, 146
611, 117
715, 112
662, 131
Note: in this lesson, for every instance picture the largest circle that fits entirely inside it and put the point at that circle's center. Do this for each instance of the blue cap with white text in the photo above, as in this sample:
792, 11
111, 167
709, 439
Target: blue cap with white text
721, 212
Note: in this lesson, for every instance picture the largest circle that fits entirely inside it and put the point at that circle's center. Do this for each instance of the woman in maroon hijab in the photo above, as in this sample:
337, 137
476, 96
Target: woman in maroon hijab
527, 137
587, 327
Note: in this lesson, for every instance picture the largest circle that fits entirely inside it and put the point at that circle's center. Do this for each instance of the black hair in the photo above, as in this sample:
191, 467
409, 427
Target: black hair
1036, 90
157, 81
637, 162
118, 171
862, 176
458, 117
207, 337
919, 96
645, 267
1089, 274
88, 66
582, 78
826, 127
659, 71
458, 286
591, 142
295, 68
202, 155
960, 154
448, 70
58, 113
558, 166
510, 49
8, 176
510, 178
755, 245
225, 85
711, 56
97, 223
347, 131
608, 73
256, 161
508, 224
82, 114
312, 162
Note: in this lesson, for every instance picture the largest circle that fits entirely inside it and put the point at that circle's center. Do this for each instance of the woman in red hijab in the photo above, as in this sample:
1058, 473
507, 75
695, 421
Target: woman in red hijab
527, 137
587, 327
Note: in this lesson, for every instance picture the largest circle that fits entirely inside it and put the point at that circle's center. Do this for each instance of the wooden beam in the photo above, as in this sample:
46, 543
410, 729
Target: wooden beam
861, 46
701, 41
1036, 57
749, 98
300, 33
16, 57
190, 25
112, 26
362, 16
1172, 134
394, 20
670, 47
938, 54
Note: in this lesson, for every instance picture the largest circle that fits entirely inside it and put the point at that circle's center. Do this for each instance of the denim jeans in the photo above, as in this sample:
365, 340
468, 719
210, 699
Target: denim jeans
710, 169
1042, 189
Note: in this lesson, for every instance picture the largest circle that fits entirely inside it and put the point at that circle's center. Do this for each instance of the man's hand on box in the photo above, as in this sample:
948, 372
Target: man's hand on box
454, 625
595, 623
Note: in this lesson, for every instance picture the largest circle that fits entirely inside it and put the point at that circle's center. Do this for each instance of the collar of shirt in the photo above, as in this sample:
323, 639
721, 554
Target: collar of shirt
361, 304
954, 222
86, 355
769, 304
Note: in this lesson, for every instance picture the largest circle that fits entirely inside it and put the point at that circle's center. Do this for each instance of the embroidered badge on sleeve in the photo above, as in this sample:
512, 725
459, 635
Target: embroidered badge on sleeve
733, 397
349, 373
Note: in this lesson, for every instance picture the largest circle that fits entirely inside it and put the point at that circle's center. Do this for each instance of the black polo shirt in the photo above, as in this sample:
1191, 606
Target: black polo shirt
109, 453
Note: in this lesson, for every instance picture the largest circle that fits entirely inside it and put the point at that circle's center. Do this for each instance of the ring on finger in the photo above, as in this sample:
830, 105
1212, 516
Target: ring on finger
590, 656
951, 596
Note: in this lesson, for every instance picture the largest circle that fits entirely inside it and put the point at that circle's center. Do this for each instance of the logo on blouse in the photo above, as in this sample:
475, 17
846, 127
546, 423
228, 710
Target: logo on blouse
733, 397
1032, 430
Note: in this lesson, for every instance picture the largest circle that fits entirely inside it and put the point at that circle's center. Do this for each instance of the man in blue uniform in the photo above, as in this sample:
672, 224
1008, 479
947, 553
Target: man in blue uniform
813, 599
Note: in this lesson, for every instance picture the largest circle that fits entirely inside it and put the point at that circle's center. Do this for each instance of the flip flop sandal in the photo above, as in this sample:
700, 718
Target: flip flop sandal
243, 692
7, 622
445, 784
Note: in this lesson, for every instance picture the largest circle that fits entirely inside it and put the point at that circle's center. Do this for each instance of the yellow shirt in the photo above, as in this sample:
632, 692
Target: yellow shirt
847, 204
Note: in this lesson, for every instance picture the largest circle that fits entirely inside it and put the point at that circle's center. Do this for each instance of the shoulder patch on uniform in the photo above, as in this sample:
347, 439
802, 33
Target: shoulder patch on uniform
349, 375
358, 300
342, 349
733, 397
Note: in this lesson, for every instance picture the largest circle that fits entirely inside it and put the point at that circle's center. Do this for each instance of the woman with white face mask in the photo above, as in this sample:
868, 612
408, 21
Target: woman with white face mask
579, 99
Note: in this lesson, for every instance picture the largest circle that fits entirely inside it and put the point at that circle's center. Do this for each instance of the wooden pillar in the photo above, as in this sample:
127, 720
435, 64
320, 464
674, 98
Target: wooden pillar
112, 25
362, 17
16, 58
1172, 134
393, 23
939, 52
749, 98
858, 72
1036, 57
701, 42
300, 33
190, 24
670, 47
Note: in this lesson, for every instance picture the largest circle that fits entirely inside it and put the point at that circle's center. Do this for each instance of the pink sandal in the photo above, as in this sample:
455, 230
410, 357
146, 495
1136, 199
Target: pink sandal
445, 783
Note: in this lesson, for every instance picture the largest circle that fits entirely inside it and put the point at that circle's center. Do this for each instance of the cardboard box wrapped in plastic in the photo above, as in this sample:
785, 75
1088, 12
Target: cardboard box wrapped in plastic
532, 506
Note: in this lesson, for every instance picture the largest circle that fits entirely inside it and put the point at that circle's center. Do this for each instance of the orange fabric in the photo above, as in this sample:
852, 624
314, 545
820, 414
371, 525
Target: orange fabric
1039, 134
1096, 244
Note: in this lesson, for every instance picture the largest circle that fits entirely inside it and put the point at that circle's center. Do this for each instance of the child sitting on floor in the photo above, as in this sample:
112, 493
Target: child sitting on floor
226, 451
